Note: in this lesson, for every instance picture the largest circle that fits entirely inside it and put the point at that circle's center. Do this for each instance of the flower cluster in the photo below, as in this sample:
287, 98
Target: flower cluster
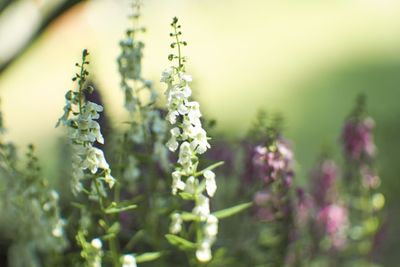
358, 139
189, 137
358, 145
272, 163
83, 130
324, 178
362, 180
274, 166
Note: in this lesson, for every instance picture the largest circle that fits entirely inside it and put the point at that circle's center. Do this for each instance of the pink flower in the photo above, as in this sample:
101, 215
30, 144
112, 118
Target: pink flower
334, 219
304, 207
358, 139
324, 178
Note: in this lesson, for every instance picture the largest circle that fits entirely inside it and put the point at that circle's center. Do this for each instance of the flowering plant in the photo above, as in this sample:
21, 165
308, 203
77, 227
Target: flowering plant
148, 196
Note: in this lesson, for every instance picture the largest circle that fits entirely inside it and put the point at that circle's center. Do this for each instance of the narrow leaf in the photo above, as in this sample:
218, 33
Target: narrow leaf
232, 210
116, 209
180, 242
187, 216
149, 256
209, 168
186, 195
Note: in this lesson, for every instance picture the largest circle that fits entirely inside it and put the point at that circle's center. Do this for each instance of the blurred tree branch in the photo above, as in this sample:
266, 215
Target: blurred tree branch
4, 4
53, 12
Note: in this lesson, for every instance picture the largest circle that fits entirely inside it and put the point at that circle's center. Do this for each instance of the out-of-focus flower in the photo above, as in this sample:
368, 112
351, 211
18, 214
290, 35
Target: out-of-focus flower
303, 207
274, 166
128, 261
358, 138
324, 177
211, 185
273, 163
334, 219
176, 223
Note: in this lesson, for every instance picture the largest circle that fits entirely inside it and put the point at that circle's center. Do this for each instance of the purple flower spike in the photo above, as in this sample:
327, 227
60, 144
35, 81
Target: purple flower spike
358, 139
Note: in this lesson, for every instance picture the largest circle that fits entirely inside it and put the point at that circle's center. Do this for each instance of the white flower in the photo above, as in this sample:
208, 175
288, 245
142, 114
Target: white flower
58, 228
171, 116
173, 144
177, 183
54, 195
128, 261
200, 143
203, 252
187, 130
211, 226
64, 118
166, 75
96, 134
108, 178
185, 77
96, 243
185, 157
182, 109
187, 92
202, 207
211, 185
194, 113
91, 110
176, 223
94, 160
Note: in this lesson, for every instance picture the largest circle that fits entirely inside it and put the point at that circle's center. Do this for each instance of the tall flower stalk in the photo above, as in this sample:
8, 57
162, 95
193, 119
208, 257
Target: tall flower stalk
273, 162
141, 157
361, 181
147, 128
92, 176
330, 223
190, 140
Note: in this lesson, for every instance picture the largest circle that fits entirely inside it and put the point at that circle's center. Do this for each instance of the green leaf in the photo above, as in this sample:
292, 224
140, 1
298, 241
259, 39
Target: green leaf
186, 196
119, 208
221, 214
180, 242
78, 205
209, 168
149, 256
115, 228
187, 216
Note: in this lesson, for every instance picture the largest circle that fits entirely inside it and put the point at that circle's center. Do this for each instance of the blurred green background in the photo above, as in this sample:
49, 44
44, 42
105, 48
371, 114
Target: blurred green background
306, 59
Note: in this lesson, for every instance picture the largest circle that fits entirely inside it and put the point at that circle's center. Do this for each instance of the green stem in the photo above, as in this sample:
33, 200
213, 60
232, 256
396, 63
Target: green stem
101, 201
112, 240
178, 43
81, 81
